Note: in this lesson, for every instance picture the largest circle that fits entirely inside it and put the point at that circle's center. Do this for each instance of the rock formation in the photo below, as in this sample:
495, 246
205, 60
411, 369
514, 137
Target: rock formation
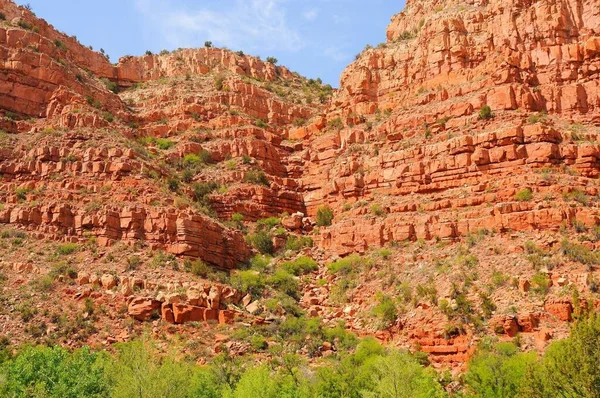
477, 119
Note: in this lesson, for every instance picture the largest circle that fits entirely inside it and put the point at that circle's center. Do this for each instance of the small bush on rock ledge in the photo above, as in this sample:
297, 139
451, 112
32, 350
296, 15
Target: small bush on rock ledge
524, 195
324, 216
485, 113
256, 177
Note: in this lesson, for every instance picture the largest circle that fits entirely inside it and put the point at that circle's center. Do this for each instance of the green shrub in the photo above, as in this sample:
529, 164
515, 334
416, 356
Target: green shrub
541, 283
335, 124
346, 265
140, 370
25, 25
109, 117
195, 160
201, 190
580, 254
67, 248
261, 123
285, 283
524, 195
537, 117
579, 226
577, 195
296, 243
399, 374
54, 372
485, 113
272, 60
269, 223
262, 241
260, 262
62, 268
2, 16
110, 85
219, 83
173, 184
300, 266
94, 102
60, 45
498, 371
208, 44
162, 259
27, 312
187, 176
487, 305
386, 310
324, 216
595, 233
238, 220
298, 122
259, 343
428, 291
498, 279
199, 268
44, 284
385, 253
22, 193
133, 262
467, 261
248, 282
377, 210
163, 143
255, 176
192, 160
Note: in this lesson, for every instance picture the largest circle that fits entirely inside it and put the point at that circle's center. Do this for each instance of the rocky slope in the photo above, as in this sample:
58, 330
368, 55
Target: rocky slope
459, 159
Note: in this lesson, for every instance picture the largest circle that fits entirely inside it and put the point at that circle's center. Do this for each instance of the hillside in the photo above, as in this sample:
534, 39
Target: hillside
445, 193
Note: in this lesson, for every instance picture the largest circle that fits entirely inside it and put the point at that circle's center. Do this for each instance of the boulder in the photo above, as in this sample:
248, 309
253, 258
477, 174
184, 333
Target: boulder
143, 309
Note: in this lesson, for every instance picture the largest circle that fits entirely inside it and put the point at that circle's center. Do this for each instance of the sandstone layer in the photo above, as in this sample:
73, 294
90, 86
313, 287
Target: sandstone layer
460, 159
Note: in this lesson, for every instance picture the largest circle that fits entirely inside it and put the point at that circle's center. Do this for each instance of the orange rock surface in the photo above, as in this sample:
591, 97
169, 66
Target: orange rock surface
475, 120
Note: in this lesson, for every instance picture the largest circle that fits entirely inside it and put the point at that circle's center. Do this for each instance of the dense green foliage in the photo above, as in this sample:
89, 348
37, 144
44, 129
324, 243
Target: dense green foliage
569, 368
54, 372
498, 371
138, 370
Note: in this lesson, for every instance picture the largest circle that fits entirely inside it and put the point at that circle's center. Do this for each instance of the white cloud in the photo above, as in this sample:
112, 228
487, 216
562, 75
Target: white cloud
311, 15
248, 25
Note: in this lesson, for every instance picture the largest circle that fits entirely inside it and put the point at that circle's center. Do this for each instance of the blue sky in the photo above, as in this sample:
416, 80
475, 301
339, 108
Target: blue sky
317, 38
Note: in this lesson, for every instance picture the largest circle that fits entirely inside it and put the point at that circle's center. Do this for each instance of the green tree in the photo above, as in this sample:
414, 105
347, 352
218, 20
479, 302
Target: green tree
54, 373
569, 368
498, 371
351, 377
140, 372
399, 375
257, 382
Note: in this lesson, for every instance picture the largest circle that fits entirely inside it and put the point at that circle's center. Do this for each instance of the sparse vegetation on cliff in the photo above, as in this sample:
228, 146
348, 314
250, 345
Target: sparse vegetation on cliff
324, 216
485, 113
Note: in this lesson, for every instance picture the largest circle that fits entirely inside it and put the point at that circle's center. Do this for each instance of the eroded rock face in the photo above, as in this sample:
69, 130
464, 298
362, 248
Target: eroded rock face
474, 117
408, 136
509, 54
